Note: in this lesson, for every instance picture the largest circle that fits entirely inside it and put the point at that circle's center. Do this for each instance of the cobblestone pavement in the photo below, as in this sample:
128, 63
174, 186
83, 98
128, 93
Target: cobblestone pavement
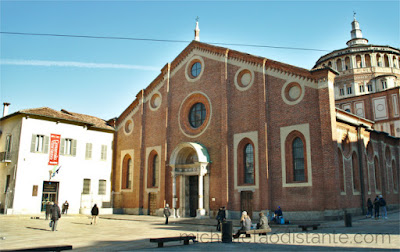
132, 232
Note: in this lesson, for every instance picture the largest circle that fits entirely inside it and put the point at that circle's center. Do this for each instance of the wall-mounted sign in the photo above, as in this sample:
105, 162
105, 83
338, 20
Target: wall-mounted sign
54, 149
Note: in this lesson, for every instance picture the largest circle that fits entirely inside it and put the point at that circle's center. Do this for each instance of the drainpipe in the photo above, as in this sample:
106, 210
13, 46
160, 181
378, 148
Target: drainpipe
361, 170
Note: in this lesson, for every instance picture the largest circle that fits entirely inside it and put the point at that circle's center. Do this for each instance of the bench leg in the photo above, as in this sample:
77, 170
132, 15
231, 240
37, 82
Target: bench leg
186, 242
161, 244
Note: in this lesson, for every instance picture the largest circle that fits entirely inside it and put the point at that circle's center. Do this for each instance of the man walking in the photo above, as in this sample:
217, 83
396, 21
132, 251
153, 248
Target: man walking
167, 213
55, 215
382, 204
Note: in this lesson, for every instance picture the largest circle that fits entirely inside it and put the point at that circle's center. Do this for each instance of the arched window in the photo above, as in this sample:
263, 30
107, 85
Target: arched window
246, 164
356, 172
248, 159
377, 175
378, 60
347, 63
155, 171
341, 171
339, 65
330, 64
298, 160
127, 170
367, 60
358, 61
386, 61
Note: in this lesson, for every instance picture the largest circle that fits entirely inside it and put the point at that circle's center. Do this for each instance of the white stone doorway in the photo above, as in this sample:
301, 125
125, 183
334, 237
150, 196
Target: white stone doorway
189, 161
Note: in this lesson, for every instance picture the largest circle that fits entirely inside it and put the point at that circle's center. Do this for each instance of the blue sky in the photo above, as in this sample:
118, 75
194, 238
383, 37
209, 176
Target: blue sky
101, 77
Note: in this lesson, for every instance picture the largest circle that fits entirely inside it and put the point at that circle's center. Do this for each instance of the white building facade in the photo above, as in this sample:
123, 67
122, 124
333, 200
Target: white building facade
58, 156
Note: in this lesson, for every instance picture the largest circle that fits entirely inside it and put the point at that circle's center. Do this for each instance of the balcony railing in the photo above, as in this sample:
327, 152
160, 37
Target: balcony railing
5, 157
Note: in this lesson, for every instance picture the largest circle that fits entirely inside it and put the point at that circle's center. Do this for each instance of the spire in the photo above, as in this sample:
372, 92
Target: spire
356, 34
197, 30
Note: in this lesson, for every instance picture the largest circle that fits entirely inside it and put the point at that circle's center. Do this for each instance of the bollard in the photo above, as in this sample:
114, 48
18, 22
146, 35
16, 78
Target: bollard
227, 231
347, 220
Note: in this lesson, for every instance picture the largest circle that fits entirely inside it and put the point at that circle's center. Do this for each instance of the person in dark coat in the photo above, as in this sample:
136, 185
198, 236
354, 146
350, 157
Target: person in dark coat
376, 206
221, 217
55, 215
95, 214
167, 213
382, 204
65, 207
370, 206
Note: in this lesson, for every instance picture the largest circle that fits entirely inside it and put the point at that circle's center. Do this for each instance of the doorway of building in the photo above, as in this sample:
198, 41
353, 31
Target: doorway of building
193, 195
246, 202
50, 193
152, 203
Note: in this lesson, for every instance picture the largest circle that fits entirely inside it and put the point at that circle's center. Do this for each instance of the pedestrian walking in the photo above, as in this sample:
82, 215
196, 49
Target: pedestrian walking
47, 209
376, 207
167, 213
370, 206
65, 207
95, 214
221, 217
55, 215
382, 204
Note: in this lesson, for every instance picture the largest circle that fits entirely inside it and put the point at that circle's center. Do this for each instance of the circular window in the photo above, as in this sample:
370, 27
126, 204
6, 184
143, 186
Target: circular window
196, 69
292, 93
243, 79
155, 101
197, 115
194, 114
128, 126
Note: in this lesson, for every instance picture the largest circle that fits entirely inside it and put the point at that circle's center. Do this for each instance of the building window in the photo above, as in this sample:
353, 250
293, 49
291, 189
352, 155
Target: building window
127, 171
246, 162
197, 115
102, 187
68, 147
153, 170
86, 186
369, 86
40, 143
156, 164
349, 91
248, 159
88, 154
196, 69
341, 91
361, 88
298, 160
384, 85
103, 156
377, 176
356, 174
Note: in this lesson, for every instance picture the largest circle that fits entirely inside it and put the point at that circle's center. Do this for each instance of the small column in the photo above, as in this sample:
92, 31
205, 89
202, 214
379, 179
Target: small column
201, 212
174, 198
363, 61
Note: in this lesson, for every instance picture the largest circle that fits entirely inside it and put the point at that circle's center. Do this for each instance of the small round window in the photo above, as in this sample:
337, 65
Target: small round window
128, 126
196, 69
197, 115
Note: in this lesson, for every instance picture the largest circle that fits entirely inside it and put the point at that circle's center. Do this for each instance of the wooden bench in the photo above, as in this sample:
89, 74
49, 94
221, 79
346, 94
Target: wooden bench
305, 226
185, 240
255, 231
49, 248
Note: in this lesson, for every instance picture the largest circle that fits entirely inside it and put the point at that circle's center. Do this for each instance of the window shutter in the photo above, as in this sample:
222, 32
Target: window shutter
62, 146
90, 150
46, 144
33, 143
87, 151
105, 152
73, 152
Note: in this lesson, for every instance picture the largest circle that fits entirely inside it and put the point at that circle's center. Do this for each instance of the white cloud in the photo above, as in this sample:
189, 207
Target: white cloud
45, 63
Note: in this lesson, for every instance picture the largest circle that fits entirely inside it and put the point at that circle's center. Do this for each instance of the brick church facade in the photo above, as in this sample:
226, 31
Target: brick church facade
219, 127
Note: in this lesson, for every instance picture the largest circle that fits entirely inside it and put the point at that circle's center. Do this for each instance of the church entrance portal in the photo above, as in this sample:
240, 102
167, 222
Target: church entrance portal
189, 162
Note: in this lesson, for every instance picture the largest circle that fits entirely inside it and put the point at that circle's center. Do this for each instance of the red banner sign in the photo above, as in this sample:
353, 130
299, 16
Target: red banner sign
54, 149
